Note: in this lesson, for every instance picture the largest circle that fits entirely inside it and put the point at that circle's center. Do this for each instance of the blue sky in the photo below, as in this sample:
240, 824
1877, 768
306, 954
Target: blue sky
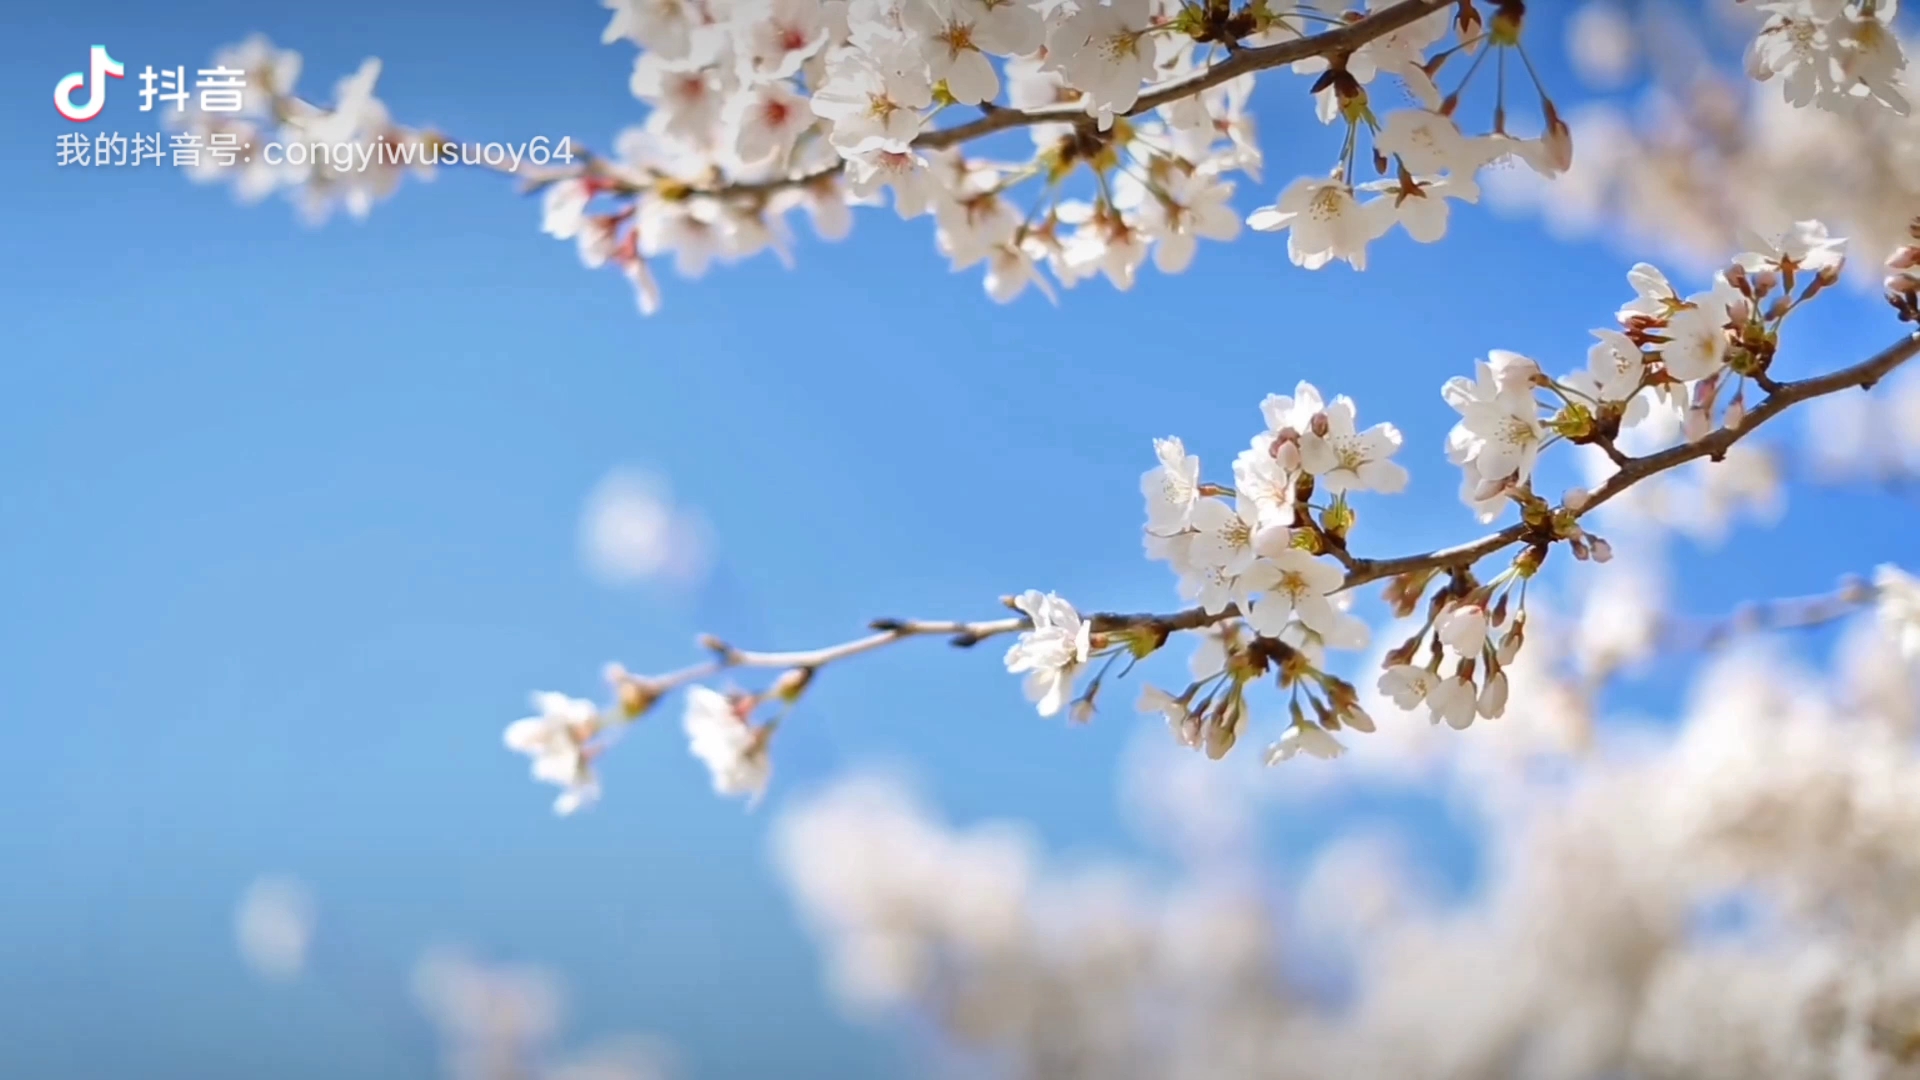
290, 534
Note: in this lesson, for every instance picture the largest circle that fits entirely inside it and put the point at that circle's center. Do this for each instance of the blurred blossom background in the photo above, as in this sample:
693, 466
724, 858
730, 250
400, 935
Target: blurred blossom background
296, 516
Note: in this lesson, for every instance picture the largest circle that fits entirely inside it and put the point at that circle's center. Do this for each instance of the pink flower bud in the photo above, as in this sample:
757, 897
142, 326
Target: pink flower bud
1493, 696
1510, 643
1576, 499
1558, 143
1697, 424
1736, 413
1602, 551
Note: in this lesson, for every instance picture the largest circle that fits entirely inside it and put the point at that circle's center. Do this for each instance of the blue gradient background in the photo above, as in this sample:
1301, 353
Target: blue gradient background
287, 533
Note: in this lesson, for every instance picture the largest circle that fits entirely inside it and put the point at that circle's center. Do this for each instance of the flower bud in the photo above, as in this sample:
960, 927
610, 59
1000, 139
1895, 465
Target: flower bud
1511, 641
1220, 739
1697, 425
1558, 142
1576, 499
635, 695
1463, 627
1602, 551
791, 684
1493, 696
1736, 413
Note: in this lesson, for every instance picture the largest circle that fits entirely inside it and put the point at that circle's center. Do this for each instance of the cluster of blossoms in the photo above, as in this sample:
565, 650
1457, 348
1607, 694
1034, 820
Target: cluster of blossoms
1264, 554
823, 104
351, 154
1838, 55
1266, 550
757, 110
1690, 356
1579, 949
569, 733
1699, 153
1267, 563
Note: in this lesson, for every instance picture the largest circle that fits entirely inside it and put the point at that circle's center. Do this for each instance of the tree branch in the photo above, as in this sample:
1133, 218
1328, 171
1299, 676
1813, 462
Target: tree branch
1341, 41
1361, 571
1337, 42
1863, 375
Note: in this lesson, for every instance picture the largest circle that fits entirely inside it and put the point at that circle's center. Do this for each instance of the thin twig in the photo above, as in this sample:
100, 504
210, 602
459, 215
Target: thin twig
1788, 613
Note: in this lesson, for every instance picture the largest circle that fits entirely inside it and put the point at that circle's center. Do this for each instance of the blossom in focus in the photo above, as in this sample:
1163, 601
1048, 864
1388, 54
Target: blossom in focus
1052, 652
1324, 222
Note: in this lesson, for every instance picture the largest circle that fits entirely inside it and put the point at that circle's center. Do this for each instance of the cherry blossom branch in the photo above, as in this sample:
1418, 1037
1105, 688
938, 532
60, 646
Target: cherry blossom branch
1360, 571
1340, 42
1862, 375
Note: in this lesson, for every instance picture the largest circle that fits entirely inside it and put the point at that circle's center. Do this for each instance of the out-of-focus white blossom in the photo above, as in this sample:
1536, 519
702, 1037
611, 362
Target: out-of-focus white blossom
734, 750
273, 926
1899, 608
559, 742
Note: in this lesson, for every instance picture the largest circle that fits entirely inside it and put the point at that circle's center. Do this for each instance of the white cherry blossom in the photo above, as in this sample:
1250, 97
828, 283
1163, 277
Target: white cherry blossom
1420, 208
1224, 533
557, 742
1407, 685
766, 119
1616, 366
1462, 628
1105, 52
1899, 608
1052, 652
1453, 701
1172, 488
1500, 432
1324, 222
688, 102
1655, 295
1429, 142
780, 37
1805, 244
659, 26
733, 749
1309, 739
1186, 208
871, 106
563, 208
1288, 582
1696, 343
1344, 459
956, 36
903, 172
